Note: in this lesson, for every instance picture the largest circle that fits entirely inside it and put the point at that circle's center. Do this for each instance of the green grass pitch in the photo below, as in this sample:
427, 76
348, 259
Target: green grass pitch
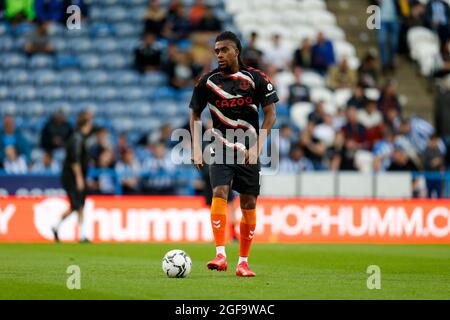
133, 271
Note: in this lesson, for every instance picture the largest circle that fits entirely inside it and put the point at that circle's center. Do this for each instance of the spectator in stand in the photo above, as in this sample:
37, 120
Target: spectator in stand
121, 145
285, 141
372, 119
358, 100
389, 99
434, 161
182, 71
303, 56
388, 35
354, 130
401, 162
342, 76
444, 63
155, 18
197, 13
405, 140
19, 10
342, 154
79, 3
383, 150
368, 71
317, 116
314, 149
298, 92
9, 136
323, 54
147, 57
14, 163
251, 55
39, 40
159, 172
325, 132
437, 18
102, 143
128, 169
277, 55
177, 26
46, 165
49, 10
209, 22
56, 132
103, 181
296, 162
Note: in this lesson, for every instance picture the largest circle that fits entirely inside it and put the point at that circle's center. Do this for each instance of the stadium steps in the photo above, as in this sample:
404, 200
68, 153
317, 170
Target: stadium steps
351, 17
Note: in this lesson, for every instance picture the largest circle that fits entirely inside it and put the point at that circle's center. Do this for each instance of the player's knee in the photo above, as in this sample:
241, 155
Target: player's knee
248, 203
221, 192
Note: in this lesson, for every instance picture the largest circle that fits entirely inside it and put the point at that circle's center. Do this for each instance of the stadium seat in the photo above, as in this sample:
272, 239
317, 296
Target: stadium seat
51, 93
115, 61
6, 43
23, 93
65, 61
71, 77
13, 60
125, 77
45, 77
313, 79
17, 76
300, 112
40, 61
89, 61
77, 93
96, 77
321, 94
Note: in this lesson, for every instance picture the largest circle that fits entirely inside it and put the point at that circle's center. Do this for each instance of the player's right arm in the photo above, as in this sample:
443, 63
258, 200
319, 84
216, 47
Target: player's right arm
76, 163
197, 105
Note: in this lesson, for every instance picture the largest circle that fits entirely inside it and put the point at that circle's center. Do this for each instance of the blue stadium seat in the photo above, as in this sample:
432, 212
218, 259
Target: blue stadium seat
115, 14
137, 13
115, 61
135, 2
105, 45
127, 45
101, 30
155, 79
89, 61
51, 93
6, 43
31, 109
65, 61
38, 61
23, 93
71, 77
78, 93
23, 29
17, 76
59, 44
79, 45
105, 93
126, 77
4, 92
140, 108
7, 107
5, 28
162, 93
131, 93
45, 77
56, 29
127, 29
13, 60
96, 77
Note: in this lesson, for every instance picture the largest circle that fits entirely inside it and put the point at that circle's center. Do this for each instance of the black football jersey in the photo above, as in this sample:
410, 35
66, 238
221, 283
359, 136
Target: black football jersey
234, 100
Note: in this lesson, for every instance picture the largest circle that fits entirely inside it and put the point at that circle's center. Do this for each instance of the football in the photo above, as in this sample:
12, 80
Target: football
177, 264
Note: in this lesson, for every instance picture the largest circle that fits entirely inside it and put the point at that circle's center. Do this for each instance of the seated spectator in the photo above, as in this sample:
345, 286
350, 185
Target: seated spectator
325, 131
209, 22
368, 72
314, 149
303, 56
389, 99
103, 181
79, 3
298, 92
358, 100
251, 55
372, 119
317, 116
342, 77
182, 71
342, 154
39, 40
177, 26
383, 150
405, 140
128, 169
285, 141
56, 132
49, 10
9, 136
296, 163
18, 11
159, 172
147, 57
155, 18
433, 161
323, 54
277, 55
437, 18
197, 13
400, 161
121, 145
46, 165
14, 163
101, 144
354, 130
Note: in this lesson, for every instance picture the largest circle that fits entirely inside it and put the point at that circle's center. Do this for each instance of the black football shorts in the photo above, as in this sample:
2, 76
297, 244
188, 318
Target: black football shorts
76, 198
244, 179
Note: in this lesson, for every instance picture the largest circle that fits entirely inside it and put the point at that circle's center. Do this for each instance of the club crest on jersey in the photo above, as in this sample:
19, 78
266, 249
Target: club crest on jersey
244, 85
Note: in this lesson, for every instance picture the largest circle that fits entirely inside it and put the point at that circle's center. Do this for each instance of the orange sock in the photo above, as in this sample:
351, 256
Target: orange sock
219, 220
247, 229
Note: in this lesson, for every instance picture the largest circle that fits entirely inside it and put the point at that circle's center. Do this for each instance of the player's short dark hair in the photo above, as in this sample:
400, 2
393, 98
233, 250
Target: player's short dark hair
83, 118
231, 36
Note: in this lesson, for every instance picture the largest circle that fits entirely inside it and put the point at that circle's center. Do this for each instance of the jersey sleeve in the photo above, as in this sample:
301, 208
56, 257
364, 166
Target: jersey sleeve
266, 92
199, 96
75, 149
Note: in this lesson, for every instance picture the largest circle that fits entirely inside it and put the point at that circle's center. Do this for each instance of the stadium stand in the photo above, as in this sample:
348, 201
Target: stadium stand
334, 126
